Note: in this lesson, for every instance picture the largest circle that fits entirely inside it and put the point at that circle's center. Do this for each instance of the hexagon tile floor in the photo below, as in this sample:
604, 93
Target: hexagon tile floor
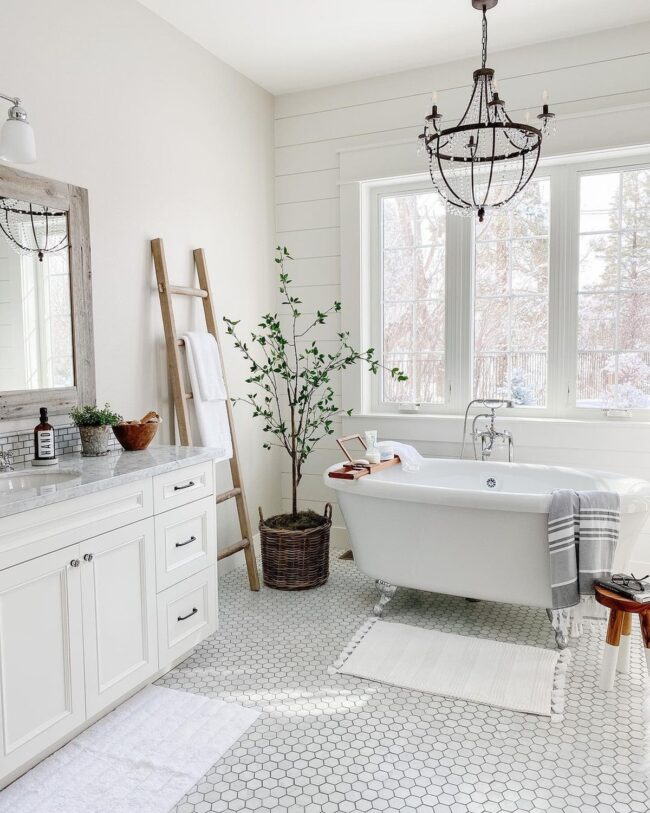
335, 743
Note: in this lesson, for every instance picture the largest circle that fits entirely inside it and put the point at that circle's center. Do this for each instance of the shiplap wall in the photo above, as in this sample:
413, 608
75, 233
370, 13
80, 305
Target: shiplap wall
600, 88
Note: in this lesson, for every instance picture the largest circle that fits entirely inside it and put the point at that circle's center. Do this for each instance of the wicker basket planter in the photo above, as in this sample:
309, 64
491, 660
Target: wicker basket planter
296, 560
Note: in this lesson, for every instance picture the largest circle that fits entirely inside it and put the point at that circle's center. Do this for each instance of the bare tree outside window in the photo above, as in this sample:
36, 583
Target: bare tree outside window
413, 296
603, 249
511, 300
613, 365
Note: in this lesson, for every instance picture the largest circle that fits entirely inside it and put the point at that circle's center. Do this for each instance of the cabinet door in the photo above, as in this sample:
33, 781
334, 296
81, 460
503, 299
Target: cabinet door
41, 655
119, 610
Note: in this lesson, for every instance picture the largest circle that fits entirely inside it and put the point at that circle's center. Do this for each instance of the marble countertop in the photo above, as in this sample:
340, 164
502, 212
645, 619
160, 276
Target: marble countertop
86, 475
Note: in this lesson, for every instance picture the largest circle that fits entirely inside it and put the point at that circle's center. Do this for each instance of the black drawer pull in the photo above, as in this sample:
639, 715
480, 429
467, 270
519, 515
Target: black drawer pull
187, 542
189, 615
187, 485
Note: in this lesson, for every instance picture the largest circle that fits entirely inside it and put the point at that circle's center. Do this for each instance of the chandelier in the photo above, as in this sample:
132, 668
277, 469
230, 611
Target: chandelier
33, 229
486, 160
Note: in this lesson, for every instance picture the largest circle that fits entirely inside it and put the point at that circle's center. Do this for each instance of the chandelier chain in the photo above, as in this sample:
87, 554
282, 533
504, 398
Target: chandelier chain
484, 38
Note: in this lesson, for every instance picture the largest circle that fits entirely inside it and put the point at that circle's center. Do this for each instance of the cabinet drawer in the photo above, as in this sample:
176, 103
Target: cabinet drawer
186, 541
41, 530
182, 486
187, 613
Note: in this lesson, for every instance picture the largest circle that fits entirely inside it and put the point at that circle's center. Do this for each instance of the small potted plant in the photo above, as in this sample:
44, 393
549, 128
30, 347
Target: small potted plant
291, 392
93, 423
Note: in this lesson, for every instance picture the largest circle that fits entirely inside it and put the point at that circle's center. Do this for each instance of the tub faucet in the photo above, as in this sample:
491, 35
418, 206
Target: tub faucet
6, 461
487, 435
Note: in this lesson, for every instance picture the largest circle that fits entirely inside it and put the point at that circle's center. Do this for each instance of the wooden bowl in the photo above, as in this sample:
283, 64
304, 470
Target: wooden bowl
134, 437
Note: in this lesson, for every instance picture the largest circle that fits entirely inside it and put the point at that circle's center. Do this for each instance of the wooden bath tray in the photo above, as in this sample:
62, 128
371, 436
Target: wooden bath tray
352, 470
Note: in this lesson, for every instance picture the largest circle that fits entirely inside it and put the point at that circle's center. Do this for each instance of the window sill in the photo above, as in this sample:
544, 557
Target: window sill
629, 436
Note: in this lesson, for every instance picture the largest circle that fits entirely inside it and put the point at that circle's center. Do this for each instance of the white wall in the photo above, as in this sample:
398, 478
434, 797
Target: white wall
169, 142
329, 138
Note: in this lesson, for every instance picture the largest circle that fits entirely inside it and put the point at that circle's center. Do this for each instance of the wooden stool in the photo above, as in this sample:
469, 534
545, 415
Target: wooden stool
616, 657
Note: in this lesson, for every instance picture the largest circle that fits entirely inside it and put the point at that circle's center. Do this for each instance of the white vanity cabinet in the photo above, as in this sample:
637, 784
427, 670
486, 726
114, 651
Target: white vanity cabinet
119, 586
41, 655
118, 602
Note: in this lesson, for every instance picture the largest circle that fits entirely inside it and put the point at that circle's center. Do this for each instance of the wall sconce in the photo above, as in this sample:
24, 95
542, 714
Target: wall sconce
17, 142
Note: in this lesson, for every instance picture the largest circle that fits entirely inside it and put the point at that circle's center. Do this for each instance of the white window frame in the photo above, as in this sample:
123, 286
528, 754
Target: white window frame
594, 168
459, 275
376, 192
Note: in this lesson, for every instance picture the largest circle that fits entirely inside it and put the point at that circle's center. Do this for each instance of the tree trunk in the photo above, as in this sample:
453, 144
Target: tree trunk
294, 466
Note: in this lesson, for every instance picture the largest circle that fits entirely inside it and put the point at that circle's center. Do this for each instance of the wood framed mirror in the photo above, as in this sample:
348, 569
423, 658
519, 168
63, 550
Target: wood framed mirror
46, 326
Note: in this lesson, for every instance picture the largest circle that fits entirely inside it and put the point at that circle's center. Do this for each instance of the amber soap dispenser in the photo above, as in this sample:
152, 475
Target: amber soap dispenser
44, 444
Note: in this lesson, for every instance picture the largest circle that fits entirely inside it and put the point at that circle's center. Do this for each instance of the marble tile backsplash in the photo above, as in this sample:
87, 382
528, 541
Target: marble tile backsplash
67, 441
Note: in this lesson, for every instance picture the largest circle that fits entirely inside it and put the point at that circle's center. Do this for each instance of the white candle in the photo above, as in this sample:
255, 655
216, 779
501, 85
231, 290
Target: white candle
434, 97
545, 96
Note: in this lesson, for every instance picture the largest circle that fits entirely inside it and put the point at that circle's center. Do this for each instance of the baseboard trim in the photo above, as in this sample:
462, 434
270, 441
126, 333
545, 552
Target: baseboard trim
339, 538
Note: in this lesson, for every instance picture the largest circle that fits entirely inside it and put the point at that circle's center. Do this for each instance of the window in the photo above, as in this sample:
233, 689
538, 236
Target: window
413, 296
511, 300
47, 321
614, 290
546, 303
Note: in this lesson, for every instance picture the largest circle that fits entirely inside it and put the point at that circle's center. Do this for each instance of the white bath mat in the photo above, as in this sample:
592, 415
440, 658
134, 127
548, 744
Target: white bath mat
141, 758
509, 676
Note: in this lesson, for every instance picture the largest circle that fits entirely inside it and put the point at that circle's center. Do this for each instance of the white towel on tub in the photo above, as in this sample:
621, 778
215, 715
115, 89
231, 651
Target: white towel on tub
208, 402
409, 456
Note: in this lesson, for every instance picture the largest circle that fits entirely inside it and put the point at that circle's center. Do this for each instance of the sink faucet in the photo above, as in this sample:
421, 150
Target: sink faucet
6, 461
487, 435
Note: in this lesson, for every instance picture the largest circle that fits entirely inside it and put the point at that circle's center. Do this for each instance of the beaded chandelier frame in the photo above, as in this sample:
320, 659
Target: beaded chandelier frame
484, 161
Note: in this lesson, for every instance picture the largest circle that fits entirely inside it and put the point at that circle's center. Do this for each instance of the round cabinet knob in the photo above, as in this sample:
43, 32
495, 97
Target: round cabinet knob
88, 557
75, 563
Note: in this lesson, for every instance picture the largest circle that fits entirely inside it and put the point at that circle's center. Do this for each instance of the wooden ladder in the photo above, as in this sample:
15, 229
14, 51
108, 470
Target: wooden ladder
181, 397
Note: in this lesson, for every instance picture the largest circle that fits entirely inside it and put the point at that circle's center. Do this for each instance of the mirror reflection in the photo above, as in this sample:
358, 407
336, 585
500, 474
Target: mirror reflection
35, 302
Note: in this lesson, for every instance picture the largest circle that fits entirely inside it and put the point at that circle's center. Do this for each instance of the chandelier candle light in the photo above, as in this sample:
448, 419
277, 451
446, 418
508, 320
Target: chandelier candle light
486, 159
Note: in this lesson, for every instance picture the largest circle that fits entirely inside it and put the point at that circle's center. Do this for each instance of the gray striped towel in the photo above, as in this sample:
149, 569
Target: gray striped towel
582, 535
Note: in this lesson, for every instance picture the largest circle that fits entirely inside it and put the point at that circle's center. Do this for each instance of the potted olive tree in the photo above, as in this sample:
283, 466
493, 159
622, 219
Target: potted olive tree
93, 423
291, 392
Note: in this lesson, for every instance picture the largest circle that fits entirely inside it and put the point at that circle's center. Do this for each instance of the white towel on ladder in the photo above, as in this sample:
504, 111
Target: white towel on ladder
208, 403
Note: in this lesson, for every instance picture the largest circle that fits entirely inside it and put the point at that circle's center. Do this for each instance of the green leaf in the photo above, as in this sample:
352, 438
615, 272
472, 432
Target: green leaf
292, 392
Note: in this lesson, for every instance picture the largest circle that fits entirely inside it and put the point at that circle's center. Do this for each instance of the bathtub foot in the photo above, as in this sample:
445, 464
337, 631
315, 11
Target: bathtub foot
387, 592
561, 640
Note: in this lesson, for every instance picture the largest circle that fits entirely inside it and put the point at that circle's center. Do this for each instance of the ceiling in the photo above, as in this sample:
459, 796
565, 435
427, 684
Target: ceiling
290, 45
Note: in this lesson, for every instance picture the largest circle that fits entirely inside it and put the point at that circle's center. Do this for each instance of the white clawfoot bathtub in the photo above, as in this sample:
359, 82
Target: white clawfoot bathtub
472, 529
